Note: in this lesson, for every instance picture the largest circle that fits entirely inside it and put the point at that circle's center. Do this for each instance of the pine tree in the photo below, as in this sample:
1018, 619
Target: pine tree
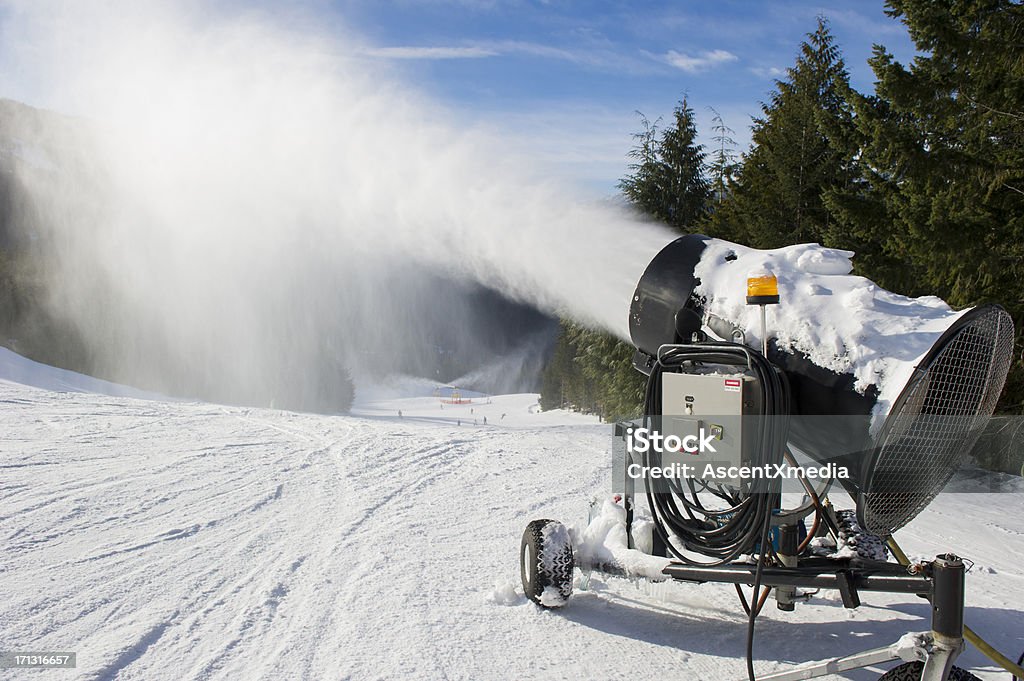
642, 186
557, 388
668, 178
802, 147
944, 158
606, 364
723, 166
591, 370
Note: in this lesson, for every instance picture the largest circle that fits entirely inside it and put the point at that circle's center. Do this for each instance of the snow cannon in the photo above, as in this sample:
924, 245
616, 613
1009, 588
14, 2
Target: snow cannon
771, 376
895, 390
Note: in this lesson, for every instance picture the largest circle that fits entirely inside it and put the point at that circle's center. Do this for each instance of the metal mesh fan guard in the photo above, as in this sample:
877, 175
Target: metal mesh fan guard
937, 419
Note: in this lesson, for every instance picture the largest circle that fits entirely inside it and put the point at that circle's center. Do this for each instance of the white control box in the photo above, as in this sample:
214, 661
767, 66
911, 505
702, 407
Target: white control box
710, 404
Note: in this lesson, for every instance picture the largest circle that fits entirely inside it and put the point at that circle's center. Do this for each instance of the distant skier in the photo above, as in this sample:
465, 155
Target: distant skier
485, 420
399, 413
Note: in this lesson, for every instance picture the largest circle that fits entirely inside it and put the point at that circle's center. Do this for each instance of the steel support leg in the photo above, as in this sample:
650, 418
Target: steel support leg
947, 617
938, 649
836, 665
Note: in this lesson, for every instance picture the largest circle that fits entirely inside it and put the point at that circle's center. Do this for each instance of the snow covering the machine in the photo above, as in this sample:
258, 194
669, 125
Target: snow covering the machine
840, 321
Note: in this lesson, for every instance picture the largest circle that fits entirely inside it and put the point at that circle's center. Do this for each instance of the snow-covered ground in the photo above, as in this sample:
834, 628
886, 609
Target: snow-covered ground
174, 540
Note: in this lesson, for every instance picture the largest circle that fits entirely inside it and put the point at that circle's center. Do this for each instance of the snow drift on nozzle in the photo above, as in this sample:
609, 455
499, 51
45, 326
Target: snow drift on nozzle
912, 379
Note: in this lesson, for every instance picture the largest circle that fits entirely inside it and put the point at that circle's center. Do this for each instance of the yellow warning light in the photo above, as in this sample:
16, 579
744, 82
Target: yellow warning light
762, 288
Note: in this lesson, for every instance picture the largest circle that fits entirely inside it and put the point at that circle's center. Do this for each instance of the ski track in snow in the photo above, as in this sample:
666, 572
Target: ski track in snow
173, 540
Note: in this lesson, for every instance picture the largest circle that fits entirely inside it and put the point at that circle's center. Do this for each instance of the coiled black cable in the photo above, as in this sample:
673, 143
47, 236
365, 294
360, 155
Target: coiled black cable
723, 534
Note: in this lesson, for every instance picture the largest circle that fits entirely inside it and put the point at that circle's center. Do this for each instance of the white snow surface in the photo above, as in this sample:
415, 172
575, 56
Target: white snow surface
842, 322
14, 367
172, 540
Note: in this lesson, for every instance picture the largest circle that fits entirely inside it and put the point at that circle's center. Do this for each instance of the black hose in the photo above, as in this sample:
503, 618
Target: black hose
721, 534
752, 616
745, 526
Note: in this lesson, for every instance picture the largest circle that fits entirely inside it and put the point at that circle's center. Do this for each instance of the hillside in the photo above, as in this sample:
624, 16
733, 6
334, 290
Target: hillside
168, 540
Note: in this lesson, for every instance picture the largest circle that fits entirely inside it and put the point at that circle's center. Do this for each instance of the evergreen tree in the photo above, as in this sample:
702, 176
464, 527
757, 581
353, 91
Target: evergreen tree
723, 166
802, 146
944, 158
668, 178
562, 385
606, 364
591, 371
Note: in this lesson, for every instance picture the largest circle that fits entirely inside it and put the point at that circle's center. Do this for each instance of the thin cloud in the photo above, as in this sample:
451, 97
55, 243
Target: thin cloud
605, 57
435, 52
694, 64
479, 50
540, 50
768, 71
593, 58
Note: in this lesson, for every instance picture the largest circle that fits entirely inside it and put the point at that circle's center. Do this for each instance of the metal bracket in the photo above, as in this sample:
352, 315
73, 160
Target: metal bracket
910, 648
940, 660
836, 665
848, 592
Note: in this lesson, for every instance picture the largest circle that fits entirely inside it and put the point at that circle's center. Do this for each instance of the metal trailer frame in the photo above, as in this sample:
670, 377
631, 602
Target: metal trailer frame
940, 581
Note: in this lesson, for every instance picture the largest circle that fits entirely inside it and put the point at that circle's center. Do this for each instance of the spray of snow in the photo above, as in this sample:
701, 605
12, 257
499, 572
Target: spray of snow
267, 194
512, 373
840, 321
264, 186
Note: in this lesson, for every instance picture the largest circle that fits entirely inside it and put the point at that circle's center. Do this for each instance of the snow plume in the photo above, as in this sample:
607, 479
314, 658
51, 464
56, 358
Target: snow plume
258, 195
516, 372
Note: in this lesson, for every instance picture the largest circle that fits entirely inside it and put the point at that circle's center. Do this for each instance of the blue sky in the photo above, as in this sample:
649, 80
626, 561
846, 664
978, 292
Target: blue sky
563, 80
568, 76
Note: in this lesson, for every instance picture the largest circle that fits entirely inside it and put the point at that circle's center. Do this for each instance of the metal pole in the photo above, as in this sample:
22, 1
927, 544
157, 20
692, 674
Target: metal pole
947, 617
785, 596
828, 578
764, 331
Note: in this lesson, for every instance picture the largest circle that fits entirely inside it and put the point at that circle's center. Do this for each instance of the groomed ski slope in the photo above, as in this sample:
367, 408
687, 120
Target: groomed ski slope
175, 540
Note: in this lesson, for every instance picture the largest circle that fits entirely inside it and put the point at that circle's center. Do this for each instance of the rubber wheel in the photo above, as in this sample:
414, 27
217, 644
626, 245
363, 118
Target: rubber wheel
911, 671
546, 561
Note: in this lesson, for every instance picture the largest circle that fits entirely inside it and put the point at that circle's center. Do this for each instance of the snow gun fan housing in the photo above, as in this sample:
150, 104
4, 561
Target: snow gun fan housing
902, 438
